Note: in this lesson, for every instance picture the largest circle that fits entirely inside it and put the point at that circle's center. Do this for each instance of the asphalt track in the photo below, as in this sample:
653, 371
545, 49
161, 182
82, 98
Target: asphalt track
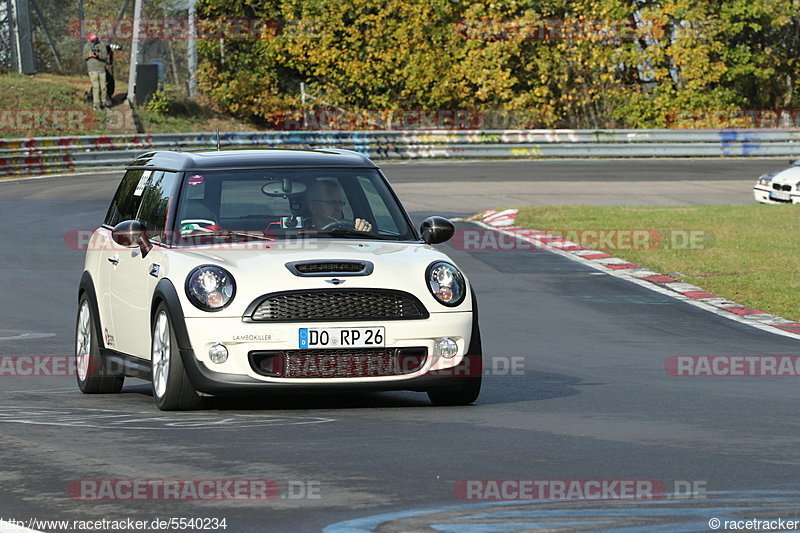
590, 401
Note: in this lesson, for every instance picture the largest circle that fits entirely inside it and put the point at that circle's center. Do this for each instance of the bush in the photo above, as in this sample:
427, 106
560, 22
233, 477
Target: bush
159, 104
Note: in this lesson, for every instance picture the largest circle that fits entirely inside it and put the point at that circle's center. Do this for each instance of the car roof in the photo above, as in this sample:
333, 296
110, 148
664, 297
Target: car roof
261, 158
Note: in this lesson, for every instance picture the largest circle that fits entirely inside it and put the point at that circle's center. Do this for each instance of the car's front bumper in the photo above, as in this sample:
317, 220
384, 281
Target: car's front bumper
211, 382
766, 195
243, 338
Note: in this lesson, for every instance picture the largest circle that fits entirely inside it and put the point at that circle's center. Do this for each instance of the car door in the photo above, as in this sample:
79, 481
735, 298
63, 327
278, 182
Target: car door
136, 274
124, 206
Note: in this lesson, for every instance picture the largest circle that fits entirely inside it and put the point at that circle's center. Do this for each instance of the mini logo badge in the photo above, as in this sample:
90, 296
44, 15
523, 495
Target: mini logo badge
335, 281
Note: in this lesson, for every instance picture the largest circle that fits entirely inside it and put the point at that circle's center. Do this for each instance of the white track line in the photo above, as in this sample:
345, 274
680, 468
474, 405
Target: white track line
62, 175
765, 322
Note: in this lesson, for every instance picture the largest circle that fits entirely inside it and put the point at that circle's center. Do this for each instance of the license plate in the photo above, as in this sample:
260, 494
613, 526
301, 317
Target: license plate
780, 195
342, 337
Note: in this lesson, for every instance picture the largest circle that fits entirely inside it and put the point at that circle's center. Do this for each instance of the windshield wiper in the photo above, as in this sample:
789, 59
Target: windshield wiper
345, 232
255, 234
224, 233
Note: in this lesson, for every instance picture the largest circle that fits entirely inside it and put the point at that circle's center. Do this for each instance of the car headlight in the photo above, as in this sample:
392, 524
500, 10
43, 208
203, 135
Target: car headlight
446, 283
765, 179
210, 288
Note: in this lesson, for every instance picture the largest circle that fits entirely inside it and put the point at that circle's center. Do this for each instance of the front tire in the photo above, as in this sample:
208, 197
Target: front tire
172, 389
469, 388
466, 394
93, 377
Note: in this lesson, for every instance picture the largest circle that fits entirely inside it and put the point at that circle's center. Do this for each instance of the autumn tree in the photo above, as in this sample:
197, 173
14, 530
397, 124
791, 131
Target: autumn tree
550, 63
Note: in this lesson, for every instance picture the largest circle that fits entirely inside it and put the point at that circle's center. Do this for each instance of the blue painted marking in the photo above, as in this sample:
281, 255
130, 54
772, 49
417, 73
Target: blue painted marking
645, 508
574, 513
505, 528
368, 523
674, 527
750, 142
303, 341
726, 138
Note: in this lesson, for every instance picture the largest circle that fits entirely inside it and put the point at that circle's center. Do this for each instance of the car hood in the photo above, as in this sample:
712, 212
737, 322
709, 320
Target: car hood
790, 176
260, 268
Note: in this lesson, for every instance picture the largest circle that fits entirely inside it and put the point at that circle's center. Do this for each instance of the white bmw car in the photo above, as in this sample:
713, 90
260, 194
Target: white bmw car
239, 271
782, 187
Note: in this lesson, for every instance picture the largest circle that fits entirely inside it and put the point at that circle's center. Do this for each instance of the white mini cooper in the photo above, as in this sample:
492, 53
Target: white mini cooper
239, 271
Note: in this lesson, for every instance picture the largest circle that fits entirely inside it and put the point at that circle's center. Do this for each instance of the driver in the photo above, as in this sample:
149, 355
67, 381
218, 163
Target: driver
326, 203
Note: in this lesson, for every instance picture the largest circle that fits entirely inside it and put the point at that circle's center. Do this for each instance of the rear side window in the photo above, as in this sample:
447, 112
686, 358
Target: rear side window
126, 202
155, 203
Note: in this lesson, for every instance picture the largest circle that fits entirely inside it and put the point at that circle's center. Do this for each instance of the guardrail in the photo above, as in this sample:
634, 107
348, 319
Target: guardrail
67, 154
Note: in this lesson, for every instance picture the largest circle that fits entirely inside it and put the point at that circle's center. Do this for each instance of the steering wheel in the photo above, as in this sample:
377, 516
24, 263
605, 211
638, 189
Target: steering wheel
336, 223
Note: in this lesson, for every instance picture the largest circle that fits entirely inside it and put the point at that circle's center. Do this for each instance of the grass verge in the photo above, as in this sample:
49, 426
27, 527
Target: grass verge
47, 105
186, 116
749, 254
51, 105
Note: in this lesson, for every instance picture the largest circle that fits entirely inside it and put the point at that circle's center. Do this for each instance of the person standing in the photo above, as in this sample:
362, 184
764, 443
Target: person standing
96, 57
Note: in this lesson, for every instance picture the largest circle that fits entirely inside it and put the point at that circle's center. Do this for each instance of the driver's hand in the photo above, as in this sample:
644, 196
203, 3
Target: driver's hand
362, 225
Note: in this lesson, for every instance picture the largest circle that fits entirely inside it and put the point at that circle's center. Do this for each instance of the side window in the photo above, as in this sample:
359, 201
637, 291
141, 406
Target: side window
128, 197
383, 218
155, 203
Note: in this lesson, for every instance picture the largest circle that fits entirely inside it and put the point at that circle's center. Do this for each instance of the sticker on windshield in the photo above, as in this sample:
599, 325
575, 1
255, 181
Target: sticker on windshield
197, 179
142, 183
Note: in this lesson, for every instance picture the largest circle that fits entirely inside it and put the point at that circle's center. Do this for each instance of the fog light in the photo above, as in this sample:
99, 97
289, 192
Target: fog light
446, 347
218, 353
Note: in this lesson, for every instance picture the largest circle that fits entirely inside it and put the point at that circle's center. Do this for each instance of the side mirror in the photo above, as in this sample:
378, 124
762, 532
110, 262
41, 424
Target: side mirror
130, 233
436, 230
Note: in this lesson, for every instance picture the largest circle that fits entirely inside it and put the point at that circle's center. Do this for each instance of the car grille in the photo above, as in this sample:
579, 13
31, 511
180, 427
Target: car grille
338, 363
779, 187
323, 268
333, 305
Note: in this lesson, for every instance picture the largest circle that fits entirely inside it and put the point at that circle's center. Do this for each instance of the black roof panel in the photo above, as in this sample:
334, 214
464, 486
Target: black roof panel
261, 158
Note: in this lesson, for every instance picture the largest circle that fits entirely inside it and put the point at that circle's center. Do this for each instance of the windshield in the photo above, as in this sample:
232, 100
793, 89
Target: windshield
269, 204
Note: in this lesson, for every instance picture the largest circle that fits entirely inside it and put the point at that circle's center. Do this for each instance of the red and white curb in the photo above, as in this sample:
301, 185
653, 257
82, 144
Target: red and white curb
505, 222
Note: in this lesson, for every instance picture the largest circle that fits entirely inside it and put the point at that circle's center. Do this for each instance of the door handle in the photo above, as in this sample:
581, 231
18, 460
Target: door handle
113, 260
